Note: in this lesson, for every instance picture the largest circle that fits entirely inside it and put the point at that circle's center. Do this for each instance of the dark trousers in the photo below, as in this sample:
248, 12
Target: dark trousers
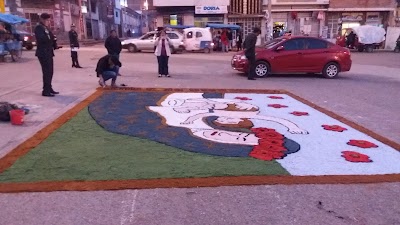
74, 56
239, 46
163, 64
252, 65
47, 70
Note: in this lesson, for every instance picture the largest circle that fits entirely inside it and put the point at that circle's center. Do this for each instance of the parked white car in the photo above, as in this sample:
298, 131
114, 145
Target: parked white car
146, 42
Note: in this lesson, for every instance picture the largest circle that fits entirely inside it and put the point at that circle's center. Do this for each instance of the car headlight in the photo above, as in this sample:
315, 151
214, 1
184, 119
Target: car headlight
181, 42
122, 42
243, 57
26, 38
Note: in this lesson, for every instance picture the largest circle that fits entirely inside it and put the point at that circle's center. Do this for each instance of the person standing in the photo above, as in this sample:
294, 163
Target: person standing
45, 53
163, 52
250, 51
230, 38
113, 44
73, 41
224, 41
239, 41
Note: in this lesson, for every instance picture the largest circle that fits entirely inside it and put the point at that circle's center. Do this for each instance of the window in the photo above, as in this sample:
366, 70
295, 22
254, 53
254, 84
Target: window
92, 6
173, 36
167, 20
148, 36
294, 44
316, 44
189, 35
199, 35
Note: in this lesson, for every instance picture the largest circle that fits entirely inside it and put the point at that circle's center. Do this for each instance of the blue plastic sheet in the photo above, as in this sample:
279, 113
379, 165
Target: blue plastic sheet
12, 19
223, 26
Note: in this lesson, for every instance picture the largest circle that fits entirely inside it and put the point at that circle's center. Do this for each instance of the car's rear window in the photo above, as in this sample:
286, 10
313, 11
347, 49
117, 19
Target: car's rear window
312, 43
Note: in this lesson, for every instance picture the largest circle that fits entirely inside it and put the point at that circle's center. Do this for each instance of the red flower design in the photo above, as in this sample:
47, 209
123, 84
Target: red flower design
266, 155
275, 97
277, 106
362, 144
336, 128
270, 145
262, 130
243, 98
296, 113
355, 157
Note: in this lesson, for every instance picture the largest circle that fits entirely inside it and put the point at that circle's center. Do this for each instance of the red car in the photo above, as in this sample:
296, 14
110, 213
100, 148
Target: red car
297, 55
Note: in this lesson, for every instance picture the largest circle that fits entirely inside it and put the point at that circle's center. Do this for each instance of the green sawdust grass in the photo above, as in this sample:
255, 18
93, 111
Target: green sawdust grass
82, 150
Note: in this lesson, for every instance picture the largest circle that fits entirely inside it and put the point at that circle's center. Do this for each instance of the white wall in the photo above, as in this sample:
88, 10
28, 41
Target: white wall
188, 19
391, 37
189, 2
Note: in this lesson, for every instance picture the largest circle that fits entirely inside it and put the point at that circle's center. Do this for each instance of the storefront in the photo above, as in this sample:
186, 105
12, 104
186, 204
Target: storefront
198, 15
209, 14
339, 22
298, 23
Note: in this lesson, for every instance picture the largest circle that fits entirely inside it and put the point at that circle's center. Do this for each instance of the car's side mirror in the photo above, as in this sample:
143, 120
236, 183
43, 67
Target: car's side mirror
280, 48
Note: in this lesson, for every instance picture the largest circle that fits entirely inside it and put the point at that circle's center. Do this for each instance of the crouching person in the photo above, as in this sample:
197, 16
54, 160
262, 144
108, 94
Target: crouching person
108, 68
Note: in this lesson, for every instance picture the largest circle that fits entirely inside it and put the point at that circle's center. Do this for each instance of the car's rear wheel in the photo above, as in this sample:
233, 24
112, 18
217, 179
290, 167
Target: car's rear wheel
29, 47
262, 69
360, 48
132, 48
331, 70
207, 50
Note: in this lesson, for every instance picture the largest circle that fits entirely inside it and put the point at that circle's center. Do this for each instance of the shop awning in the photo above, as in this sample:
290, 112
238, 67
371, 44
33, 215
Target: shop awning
223, 26
12, 19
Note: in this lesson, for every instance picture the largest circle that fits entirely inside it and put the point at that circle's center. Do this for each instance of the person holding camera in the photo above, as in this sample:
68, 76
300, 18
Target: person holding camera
163, 52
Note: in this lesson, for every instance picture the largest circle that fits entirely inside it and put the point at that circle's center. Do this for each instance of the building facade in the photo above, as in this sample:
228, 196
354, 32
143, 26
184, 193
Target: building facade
344, 14
247, 14
94, 18
190, 12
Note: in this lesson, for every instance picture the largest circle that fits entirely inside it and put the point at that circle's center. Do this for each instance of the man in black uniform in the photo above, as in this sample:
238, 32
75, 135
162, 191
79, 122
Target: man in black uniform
73, 41
45, 53
249, 46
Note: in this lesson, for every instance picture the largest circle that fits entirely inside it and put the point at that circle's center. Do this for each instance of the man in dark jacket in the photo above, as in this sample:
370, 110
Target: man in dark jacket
230, 38
108, 68
113, 44
74, 43
249, 46
45, 53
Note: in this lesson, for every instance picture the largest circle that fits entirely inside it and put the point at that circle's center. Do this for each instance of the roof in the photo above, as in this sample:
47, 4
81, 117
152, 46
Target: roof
12, 19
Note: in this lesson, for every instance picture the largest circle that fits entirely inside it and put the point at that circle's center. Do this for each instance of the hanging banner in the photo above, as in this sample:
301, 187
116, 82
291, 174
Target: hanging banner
2, 6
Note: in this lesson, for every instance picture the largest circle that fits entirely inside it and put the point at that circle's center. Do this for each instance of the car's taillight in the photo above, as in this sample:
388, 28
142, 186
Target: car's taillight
347, 52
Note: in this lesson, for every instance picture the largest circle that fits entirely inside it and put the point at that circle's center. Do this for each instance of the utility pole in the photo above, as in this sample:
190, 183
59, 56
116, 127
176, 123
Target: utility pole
90, 16
269, 29
81, 25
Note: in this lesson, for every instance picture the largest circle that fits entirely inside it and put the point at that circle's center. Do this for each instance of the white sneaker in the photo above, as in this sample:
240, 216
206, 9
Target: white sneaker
159, 75
101, 82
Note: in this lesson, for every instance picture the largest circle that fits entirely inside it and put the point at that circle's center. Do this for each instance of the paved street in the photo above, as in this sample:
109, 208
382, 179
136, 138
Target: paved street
368, 95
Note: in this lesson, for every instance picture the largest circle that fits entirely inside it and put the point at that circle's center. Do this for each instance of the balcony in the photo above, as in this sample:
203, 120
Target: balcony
297, 2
